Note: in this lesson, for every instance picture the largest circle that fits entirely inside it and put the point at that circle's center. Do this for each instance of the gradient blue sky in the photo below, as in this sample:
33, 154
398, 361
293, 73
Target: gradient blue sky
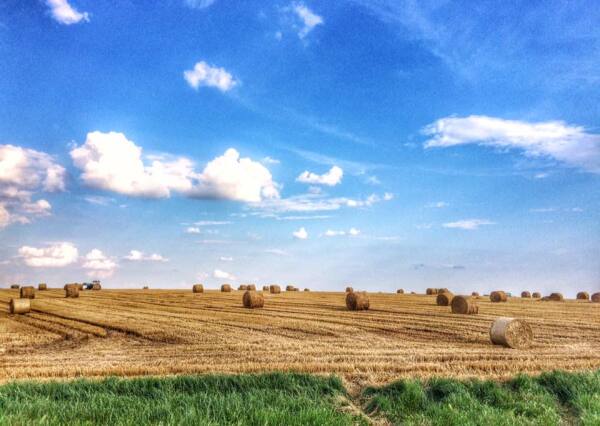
383, 144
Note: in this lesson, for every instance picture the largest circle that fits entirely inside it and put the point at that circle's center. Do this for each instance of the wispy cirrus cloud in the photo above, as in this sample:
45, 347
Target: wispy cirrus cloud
468, 224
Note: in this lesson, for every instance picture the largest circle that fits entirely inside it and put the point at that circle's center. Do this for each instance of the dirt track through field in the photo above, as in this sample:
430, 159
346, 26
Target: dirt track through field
158, 332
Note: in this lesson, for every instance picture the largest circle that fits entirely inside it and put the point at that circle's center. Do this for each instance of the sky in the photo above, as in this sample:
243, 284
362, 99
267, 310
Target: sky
379, 144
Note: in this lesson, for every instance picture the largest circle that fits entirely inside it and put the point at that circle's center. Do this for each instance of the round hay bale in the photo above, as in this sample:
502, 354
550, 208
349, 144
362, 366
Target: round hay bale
80, 286
226, 288
96, 286
511, 332
72, 291
253, 300
145, 287
307, 289
295, 289
198, 288
266, 288
596, 297
583, 295
42, 286
349, 289
400, 291
27, 292
14, 286
431, 291
19, 306
525, 295
444, 299
243, 287
556, 297
464, 305
274, 289
251, 287
443, 290
536, 295
289, 288
357, 301
498, 296
475, 294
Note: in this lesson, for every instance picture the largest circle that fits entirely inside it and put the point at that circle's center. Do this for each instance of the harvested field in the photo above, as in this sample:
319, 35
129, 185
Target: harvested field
142, 332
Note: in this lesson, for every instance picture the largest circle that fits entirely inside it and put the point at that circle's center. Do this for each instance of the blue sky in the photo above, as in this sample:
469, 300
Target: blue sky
383, 144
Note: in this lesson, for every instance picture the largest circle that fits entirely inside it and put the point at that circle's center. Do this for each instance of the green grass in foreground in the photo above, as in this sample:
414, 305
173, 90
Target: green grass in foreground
550, 399
268, 399
301, 399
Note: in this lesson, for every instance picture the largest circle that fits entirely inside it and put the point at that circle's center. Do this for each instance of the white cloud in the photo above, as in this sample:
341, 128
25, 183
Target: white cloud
468, 224
64, 13
437, 205
571, 145
217, 273
269, 160
234, 178
99, 200
300, 234
206, 75
54, 256
212, 222
331, 178
192, 230
23, 172
199, 4
315, 202
98, 264
309, 19
351, 232
111, 162
226, 259
136, 255
4, 217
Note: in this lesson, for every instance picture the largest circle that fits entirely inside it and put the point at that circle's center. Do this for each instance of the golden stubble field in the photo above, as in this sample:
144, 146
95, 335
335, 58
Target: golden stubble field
163, 332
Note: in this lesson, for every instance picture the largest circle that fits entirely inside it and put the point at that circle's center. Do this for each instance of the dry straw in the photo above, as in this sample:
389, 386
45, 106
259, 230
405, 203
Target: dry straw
357, 301
96, 286
72, 291
525, 295
265, 288
498, 296
19, 306
475, 294
253, 300
400, 291
431, 291
198, 288
511, 332
583, 295
443, 290
42, 286
536, 295
243, 287
464, 305
444, 299
289, 288
556, 297
596, 297
226, 288
349, 289
251, 287
27, 292
274, 289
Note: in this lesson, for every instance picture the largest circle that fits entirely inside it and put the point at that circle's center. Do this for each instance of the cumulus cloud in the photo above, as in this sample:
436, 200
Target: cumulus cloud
308, 18
192, 230
111, 162
331, 178
234, 178
53, 256
571, 145
98, 264
205, 75
468, 224
23, 173
66, 14
300, 234
136, 255
217, 273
